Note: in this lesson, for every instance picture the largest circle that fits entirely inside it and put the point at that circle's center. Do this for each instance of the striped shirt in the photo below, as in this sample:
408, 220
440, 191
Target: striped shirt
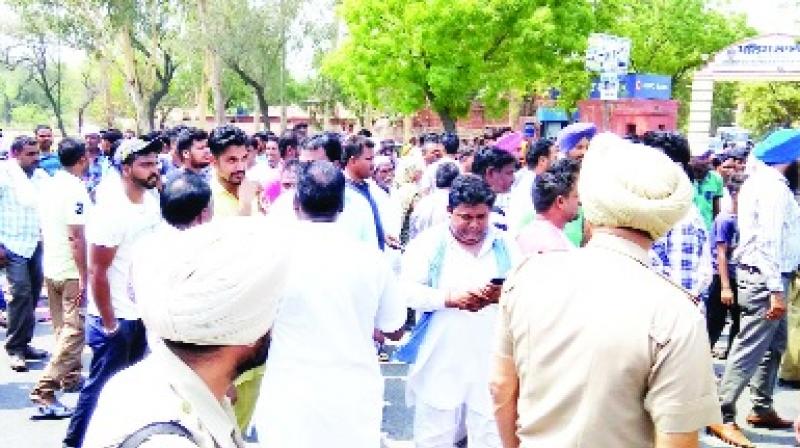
769, 226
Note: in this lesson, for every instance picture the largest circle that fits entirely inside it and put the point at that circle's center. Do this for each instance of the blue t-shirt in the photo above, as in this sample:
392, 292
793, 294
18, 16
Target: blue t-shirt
726, 230
50, 163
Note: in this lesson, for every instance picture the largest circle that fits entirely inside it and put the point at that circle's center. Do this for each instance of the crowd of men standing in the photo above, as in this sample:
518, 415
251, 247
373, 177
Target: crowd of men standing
230, 284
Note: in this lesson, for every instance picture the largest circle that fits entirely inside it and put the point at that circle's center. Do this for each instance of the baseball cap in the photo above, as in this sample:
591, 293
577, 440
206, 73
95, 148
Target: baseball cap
130, 147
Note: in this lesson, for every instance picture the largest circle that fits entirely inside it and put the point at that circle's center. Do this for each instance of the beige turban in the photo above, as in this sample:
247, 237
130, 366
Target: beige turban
215, 284
627, 185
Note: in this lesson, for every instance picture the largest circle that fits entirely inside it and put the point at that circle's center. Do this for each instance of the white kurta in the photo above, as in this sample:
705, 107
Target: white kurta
323, 385
452, 367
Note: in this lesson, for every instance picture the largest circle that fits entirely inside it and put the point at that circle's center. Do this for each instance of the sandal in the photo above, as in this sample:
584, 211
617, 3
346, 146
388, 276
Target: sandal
53, 411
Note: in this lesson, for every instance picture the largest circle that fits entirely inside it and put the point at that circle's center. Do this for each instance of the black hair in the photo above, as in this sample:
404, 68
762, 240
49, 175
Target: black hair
251, 142
539, 150
557, 181
287, 140
111, 135
183, 198
187, 137
365, 133
328, 141
21, 142
471, 190
353, 147
225, 136
292, 165
674, 145
39, 127
173, 133
446, 173
450, 142
492, 157
70, 151
320, 189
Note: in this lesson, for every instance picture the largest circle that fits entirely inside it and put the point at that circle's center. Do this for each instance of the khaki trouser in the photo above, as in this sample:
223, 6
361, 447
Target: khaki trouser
64, 368
790, 368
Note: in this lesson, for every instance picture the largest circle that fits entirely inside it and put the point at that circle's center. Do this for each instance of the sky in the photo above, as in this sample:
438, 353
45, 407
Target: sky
766, 16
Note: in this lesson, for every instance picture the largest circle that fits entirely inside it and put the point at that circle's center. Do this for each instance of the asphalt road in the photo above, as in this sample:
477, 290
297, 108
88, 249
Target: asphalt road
18, 431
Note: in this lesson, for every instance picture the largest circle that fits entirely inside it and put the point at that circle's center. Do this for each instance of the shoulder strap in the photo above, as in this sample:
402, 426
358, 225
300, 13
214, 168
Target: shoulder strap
435, 268
143, 434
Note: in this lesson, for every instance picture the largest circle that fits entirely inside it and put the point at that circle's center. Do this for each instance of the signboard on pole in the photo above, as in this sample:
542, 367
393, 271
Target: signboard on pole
608, 54
609, 86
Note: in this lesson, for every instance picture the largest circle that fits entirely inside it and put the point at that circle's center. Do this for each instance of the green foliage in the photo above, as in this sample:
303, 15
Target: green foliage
401, 55
723, 111
29, 115
769, 105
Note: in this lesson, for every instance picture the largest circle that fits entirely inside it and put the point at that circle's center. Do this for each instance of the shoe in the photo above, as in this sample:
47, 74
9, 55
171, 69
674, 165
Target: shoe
789, 384
34, 353
768, 420
52, 411
17, 363
730, 433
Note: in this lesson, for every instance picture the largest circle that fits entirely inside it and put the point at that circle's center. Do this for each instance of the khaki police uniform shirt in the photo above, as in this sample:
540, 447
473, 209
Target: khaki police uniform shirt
606, 350
161, 388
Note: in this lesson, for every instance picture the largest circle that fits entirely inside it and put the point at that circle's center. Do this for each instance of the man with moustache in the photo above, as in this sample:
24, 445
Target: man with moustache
114, 329
768, 252
176, 397
448, 272
232, 194
192, 148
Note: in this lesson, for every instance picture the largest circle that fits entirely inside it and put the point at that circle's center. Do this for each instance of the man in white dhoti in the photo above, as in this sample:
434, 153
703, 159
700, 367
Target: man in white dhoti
323, 385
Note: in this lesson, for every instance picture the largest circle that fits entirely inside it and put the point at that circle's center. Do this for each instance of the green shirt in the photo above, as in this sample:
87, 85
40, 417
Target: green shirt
705, 192
574, 229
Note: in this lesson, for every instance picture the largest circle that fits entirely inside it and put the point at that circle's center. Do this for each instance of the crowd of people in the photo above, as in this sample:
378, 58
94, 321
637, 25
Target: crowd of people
567, 292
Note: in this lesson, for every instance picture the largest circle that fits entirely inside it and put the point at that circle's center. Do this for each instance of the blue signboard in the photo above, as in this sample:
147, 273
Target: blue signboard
641, 86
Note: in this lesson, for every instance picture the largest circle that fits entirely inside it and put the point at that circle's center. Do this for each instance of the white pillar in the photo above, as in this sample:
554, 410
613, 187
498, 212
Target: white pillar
700, 114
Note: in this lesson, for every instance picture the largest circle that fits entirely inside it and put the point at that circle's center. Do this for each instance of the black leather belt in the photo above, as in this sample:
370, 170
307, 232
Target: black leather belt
755, 270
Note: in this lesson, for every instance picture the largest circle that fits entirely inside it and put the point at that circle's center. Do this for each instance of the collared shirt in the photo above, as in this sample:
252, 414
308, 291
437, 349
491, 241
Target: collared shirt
769, 226
456, 341
48, 161
431, 210
684, 254
342, 306
357, 216
66, 203
706, 192
19, 214
541, 236
369, 193
607, 358
161, 388
97, 169
121, 224
225, 203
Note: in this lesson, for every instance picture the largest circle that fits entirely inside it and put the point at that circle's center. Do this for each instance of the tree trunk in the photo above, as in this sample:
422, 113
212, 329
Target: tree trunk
262, 106
202, 98
108, 110
132, 82
215, 80
448, 121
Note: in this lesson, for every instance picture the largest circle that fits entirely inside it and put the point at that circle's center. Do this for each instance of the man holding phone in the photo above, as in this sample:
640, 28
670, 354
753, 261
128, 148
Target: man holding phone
452, 274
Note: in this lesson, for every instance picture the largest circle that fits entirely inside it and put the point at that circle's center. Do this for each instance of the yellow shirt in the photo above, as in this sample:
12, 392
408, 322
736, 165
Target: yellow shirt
225, 204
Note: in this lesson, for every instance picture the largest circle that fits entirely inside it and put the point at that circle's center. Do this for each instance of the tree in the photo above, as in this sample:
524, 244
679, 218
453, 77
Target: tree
671, 37
401, 55
32, 50
250, 38
768, 105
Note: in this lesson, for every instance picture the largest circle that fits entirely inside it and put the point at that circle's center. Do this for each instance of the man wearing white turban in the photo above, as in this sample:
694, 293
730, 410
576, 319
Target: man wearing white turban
213, 317
618, 321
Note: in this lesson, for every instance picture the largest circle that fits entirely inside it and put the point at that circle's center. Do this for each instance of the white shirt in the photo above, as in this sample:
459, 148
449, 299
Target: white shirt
262, 173
427, 182
769, 226
65, 202
161, 388
322, 350
452, 366
431, 210
120, 224
357, 217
